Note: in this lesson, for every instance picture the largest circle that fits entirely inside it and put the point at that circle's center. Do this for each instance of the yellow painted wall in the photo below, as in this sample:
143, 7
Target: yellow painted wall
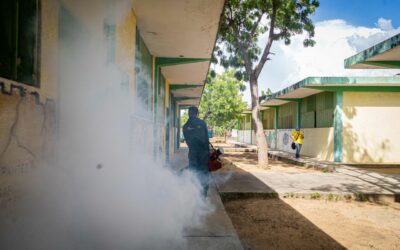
49, 49
318, 142
125, 47
371, 127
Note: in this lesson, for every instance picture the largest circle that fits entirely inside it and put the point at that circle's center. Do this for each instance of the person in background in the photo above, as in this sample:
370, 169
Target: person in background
297, 136
196, 136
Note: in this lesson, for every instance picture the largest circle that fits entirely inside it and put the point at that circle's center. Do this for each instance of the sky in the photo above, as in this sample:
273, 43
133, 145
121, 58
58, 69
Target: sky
342, 29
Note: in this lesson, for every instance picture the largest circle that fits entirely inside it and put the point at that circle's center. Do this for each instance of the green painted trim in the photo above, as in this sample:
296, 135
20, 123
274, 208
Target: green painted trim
338, 128
289, 99
170, 61
384, 64
375, 50
270, 106
357, 88
276, 121
347, 81
183, 86
185, 98
276, 125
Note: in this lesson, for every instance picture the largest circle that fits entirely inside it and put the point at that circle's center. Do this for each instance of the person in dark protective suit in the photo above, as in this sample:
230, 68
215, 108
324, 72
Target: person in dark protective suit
196, 137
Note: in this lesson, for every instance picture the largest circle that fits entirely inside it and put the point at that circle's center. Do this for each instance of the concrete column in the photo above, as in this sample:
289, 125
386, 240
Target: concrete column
338, 128
276, 125
251, 129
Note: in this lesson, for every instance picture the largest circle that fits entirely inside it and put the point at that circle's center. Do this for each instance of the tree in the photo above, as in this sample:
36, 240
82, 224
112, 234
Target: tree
242, 23
266, 93
222, 101
184, 118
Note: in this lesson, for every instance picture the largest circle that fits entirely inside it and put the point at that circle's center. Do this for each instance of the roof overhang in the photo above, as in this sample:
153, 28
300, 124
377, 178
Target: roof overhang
181, 35
314, 85
383, 55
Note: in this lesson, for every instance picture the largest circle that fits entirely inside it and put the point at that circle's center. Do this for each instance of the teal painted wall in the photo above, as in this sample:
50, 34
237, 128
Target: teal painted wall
338, 128
160, 99
144, 71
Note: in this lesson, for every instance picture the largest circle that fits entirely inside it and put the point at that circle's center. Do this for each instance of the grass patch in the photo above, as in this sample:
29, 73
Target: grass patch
315, 196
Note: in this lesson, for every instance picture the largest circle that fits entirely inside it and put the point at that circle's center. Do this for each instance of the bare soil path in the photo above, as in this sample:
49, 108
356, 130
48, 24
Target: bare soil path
314, 224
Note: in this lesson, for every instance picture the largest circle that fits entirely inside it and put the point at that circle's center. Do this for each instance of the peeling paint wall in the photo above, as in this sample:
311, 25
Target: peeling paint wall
28, 120
371, 127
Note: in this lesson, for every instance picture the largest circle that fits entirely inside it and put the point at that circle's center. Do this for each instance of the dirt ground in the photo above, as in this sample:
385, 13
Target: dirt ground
247, 161
314, 224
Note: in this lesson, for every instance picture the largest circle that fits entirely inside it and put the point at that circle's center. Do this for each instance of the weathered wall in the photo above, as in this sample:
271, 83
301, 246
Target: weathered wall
28, 114
371, 127
318, 142
125, 48
283, 140
244, 136
271, 138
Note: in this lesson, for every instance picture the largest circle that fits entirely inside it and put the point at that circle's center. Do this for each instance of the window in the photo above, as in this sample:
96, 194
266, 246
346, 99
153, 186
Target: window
308, 112
325, 109
19, 40
144, 73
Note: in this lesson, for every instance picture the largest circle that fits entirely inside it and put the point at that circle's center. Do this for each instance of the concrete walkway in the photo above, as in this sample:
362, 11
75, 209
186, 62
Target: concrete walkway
344, 181
218, 231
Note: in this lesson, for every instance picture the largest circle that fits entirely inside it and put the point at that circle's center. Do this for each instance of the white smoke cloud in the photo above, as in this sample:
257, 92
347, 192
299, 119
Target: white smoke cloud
336, 40
104, 190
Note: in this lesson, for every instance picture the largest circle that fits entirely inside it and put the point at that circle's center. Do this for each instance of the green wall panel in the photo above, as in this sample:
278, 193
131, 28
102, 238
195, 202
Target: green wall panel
325, 108
287, 115
268, 118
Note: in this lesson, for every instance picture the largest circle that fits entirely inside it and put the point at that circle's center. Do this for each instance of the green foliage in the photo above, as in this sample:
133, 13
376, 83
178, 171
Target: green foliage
244, 21
315, 196
219, 131
266, 93
184, 117
222, 101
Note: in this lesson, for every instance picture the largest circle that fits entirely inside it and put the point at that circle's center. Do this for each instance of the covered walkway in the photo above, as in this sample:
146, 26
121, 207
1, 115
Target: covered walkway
218, 231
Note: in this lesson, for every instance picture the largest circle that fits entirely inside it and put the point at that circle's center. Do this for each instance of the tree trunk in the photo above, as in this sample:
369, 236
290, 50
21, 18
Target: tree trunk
258, 126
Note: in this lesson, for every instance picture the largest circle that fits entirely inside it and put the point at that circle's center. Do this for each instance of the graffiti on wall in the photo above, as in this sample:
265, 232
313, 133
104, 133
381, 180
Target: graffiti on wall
285, 138
271, 138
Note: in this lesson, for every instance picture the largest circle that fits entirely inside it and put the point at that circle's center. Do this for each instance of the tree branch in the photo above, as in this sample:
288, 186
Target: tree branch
255, 26
242, 51
271, 37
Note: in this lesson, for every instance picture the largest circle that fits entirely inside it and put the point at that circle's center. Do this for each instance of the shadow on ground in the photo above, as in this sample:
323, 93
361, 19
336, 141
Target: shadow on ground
274, 226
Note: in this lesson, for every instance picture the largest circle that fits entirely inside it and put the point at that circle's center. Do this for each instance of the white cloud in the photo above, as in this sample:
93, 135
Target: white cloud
336, 40
384, 24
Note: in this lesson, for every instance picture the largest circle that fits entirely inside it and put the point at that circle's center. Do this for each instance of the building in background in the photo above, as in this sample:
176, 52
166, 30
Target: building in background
350, 120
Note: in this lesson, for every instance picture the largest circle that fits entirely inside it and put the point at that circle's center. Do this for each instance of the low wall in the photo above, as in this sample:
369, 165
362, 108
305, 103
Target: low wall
244, 136
271, 138
317, 142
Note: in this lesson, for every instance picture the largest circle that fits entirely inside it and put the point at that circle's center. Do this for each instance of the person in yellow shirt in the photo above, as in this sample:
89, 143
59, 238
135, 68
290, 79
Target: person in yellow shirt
297, 136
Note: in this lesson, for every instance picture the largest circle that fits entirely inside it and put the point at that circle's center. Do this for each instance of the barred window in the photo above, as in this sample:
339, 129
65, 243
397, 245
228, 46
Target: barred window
19, 25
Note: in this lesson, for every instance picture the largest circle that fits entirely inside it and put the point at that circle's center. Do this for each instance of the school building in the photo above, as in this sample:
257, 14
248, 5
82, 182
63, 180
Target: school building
353, 120
162, 48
